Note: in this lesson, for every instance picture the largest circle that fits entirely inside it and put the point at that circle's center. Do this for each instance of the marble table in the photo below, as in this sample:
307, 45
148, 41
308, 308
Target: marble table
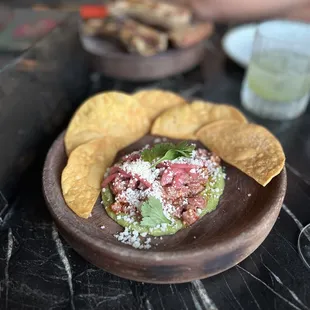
39, 270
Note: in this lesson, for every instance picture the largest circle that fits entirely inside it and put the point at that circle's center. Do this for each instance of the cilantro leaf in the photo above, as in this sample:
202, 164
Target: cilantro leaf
152, 213
167, 151
158, 150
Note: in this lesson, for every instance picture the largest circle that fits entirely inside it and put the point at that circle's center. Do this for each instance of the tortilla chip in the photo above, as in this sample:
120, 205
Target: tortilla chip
249, 147
82, 177
109, 114
183, 122
217, 112
157, 101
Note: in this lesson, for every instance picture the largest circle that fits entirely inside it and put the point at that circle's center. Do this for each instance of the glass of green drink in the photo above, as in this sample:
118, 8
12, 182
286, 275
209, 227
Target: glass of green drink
277, 82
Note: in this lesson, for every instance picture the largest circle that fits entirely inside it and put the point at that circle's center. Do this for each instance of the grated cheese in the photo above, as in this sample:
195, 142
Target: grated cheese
157, 140
133, 238
141, 168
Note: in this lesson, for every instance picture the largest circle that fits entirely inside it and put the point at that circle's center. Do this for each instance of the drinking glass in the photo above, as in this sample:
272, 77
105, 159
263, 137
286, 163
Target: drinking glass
277, 83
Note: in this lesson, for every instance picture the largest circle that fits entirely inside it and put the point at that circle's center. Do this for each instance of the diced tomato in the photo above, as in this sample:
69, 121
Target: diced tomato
131, 157
133, 183
178, 210
108, 179
177, 171
195, 188
195, 203
124, 173
113, 170
119, 185
167, 177
183, 166
179, 180
189, 217
143, 181
173, 193
116, 207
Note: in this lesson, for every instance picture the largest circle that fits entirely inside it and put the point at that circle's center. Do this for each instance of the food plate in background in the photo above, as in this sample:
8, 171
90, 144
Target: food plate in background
237, 43
142, 40
245, 215
108, 59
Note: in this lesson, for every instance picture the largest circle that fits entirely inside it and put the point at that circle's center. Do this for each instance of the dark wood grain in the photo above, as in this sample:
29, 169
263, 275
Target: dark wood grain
220, 240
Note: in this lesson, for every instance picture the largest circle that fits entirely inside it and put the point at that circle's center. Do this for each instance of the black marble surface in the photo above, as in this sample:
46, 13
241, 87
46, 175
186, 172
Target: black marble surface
39, 90
39, 270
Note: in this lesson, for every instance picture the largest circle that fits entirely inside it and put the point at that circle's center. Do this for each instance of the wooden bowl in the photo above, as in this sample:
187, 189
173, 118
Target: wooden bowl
109, 60
218, 241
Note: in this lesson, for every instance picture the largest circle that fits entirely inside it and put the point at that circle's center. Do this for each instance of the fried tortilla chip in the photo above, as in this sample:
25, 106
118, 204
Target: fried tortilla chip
157, 101
249, 147
109, 114
183, 122
82, 177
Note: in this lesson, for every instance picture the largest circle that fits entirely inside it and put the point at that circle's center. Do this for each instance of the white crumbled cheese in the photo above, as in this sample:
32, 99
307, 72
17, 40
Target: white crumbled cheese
103, 190
102, 227
145, 147
195, 237
133, 197
136, 244
133, 238
141, 168
164, 226
249, 195
199, 211
157, 140
185, 160
185, 202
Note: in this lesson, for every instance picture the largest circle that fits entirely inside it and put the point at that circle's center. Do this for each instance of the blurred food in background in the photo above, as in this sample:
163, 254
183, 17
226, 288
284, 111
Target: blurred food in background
144, 27
20, 28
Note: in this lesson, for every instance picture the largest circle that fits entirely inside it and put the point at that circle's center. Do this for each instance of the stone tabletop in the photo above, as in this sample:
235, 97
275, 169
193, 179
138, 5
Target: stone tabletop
39, 270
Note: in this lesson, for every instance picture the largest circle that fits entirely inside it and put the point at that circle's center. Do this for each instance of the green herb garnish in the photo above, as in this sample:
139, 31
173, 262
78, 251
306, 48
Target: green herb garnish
167, 151
152, 213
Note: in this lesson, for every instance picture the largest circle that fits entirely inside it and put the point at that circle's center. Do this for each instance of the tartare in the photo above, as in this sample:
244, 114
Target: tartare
161, 189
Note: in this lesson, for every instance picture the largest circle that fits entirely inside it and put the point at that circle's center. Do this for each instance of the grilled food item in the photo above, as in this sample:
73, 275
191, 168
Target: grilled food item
190, 35
136, 37
161, 14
